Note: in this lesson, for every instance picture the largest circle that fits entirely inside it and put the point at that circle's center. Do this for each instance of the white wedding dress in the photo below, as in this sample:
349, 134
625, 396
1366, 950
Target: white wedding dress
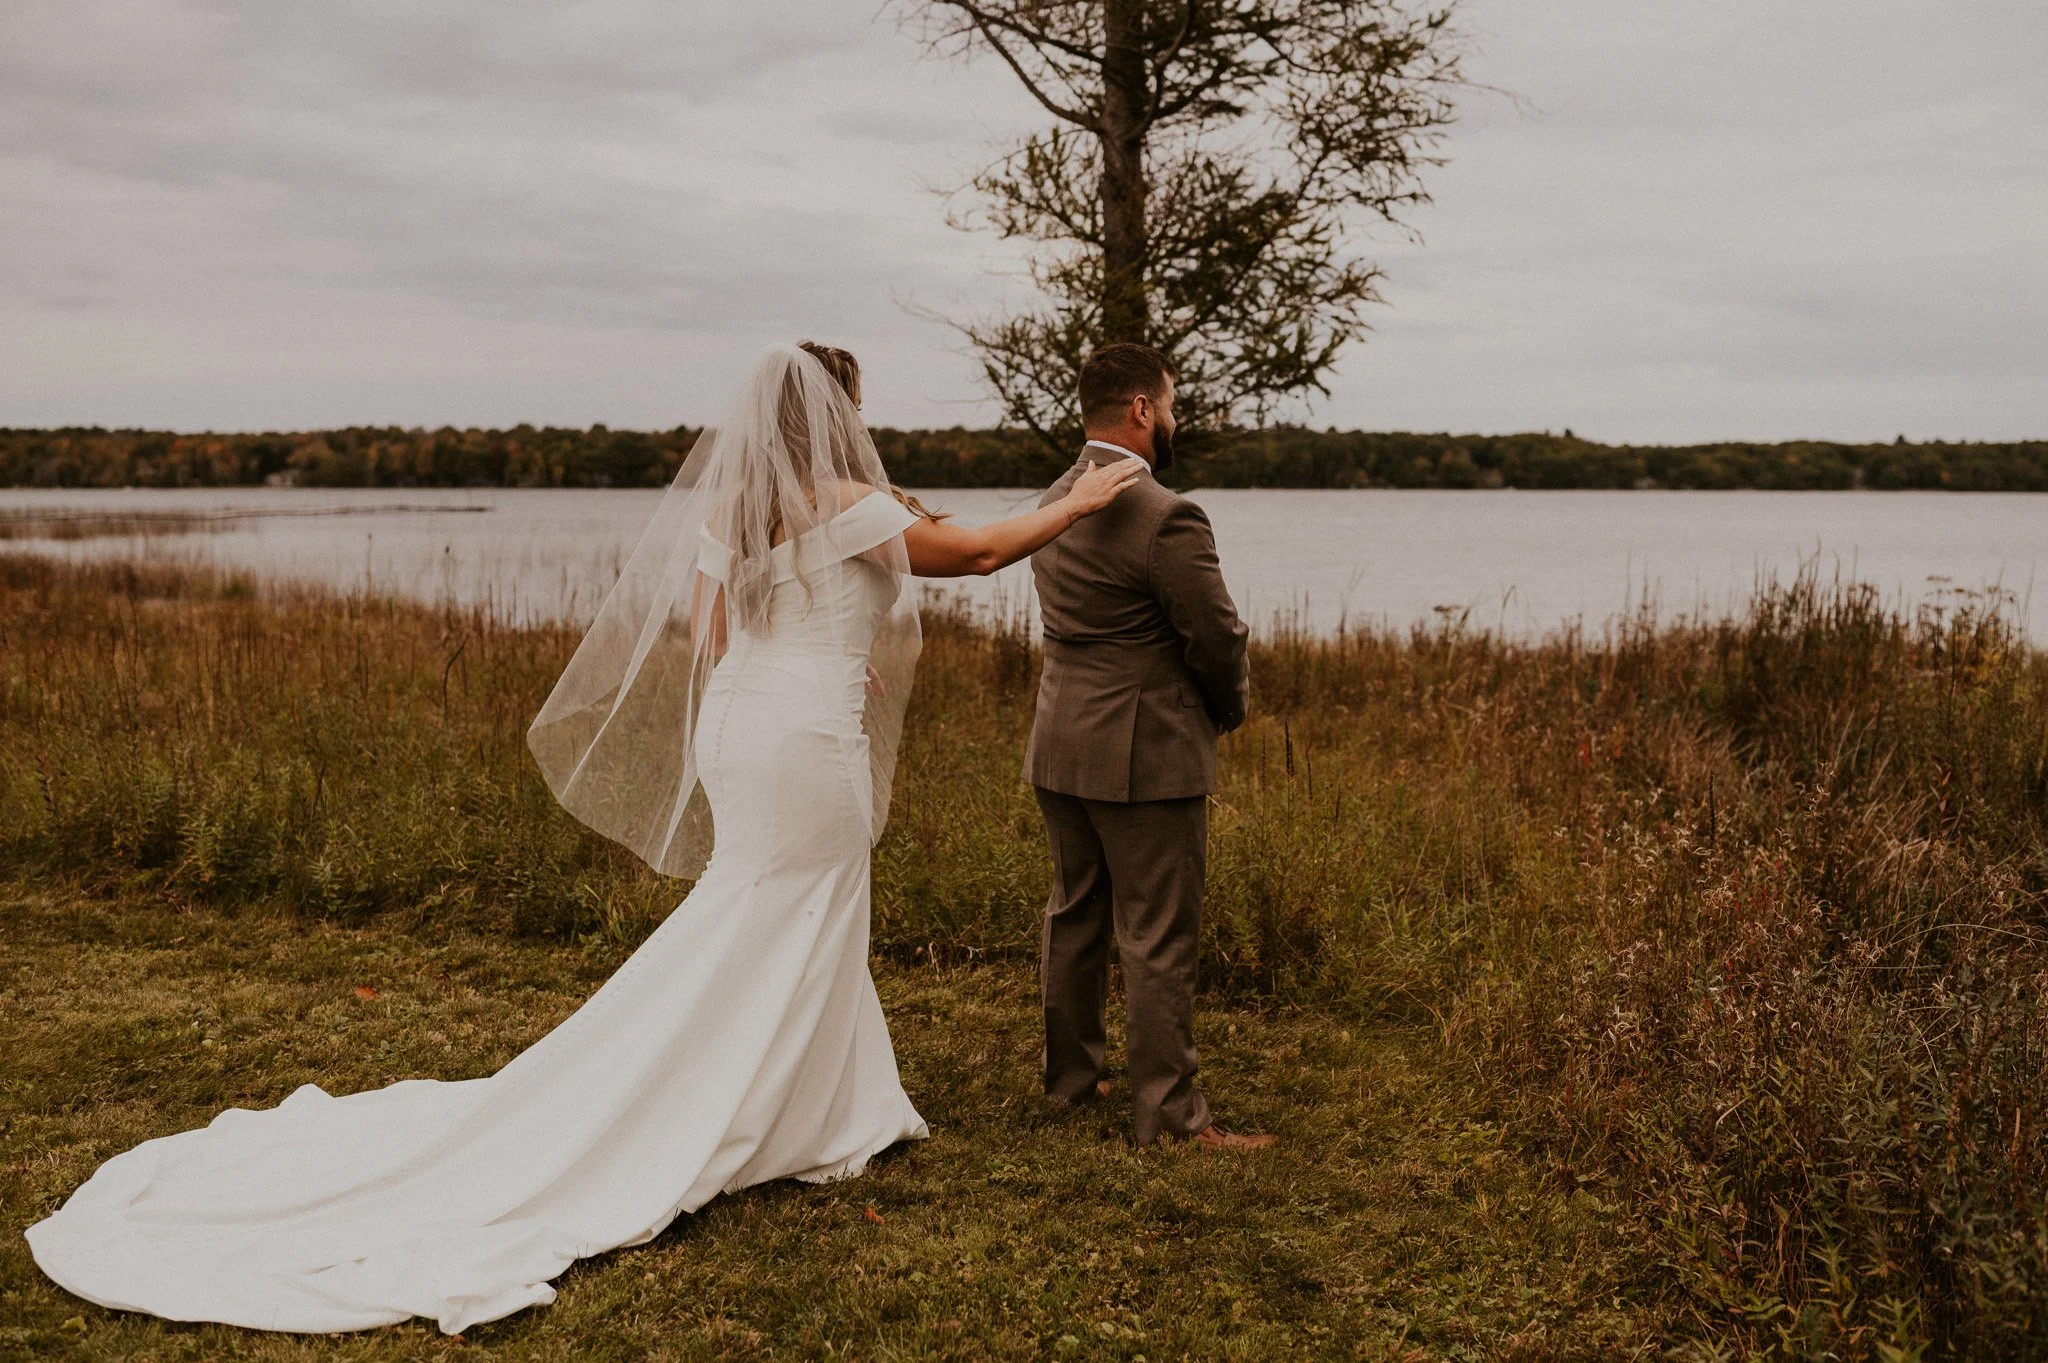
743, 1042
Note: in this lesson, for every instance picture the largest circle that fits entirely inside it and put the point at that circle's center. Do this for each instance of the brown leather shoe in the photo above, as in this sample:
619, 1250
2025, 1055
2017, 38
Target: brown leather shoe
1215, 1136
1101, 1092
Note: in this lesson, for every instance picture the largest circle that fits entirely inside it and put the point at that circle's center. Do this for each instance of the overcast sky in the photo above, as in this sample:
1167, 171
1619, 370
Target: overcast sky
1729, 218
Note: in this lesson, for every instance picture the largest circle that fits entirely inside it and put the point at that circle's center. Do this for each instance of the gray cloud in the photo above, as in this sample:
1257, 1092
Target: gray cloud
1733, 220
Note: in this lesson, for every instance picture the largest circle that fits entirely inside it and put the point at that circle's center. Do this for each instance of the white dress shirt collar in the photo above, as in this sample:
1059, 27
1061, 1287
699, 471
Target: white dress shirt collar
1128, 454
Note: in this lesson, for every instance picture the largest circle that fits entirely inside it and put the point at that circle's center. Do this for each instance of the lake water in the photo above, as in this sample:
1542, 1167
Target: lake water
1525, 562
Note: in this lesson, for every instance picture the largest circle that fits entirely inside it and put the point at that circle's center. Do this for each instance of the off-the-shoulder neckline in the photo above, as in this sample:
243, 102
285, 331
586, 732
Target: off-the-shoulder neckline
822, 526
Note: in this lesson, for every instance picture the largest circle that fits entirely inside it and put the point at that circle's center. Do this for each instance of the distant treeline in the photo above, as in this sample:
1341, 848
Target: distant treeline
1284, 456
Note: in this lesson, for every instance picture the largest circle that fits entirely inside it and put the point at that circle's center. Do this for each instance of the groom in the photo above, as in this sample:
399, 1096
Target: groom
1144, 667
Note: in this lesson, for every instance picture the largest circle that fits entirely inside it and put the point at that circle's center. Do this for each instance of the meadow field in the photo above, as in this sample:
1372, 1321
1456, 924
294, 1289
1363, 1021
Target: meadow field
1672, 992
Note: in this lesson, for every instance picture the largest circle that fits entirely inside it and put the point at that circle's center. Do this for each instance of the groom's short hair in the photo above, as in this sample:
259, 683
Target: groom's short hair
1117, 373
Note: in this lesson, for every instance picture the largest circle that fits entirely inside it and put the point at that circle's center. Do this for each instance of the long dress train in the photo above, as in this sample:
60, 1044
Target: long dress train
743, 1042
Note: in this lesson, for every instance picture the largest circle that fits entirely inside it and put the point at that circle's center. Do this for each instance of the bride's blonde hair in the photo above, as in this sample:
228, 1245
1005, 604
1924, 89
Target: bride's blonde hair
845, 371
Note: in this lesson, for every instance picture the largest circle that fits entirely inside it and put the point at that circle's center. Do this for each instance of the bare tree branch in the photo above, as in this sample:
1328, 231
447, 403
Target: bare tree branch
1161, 60
1089, 121
985, 17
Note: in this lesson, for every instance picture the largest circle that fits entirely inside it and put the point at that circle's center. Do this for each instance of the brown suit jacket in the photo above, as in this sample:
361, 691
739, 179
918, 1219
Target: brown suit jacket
1144, 651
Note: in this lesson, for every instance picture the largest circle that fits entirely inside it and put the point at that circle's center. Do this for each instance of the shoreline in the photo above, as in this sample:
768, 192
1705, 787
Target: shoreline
1284, 456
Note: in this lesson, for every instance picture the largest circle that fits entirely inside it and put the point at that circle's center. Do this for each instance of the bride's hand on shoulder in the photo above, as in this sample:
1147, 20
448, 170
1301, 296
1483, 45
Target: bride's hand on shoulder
939, 548
1100, 486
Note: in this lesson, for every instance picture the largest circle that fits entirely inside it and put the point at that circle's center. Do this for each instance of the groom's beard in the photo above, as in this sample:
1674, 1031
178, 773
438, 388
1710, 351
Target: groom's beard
1162, 449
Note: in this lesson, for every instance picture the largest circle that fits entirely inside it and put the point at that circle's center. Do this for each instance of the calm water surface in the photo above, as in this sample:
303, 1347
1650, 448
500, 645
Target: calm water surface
1525, 562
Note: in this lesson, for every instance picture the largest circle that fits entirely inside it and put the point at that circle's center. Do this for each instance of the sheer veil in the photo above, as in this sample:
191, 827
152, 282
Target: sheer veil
615, 739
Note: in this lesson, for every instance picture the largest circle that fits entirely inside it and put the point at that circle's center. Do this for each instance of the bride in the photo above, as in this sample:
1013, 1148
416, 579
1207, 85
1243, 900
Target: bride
745, 678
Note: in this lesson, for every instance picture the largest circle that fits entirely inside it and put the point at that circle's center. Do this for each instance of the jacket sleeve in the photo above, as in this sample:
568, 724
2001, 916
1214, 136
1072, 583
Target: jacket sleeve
1187, 578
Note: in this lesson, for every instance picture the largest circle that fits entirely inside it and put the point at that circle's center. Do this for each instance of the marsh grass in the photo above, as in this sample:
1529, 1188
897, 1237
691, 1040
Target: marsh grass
62, 523
1735, 923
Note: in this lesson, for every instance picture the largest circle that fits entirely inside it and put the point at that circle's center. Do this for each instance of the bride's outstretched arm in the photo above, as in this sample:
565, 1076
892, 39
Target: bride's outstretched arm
942, 549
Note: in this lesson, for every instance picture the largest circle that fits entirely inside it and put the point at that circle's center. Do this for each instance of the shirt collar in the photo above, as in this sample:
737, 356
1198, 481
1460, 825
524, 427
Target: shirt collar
1128, 454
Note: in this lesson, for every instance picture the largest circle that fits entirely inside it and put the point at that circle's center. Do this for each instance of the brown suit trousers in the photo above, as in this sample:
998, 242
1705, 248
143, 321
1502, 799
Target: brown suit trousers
1144, 666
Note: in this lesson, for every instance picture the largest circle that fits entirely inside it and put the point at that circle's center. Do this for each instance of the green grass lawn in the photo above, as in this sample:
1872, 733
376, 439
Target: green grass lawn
1391, 1223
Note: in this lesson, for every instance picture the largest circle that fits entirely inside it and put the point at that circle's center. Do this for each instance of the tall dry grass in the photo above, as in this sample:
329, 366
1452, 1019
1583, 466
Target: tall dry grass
1740, 922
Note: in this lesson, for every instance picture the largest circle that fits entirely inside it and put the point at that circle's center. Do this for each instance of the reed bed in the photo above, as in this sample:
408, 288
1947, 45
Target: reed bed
62, 525
1738, 923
